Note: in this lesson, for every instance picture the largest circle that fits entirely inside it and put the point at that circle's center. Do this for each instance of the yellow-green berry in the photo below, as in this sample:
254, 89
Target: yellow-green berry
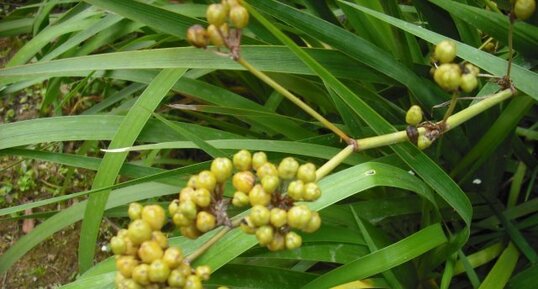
160, 238
423, 142
135, 211
278, 243
179, 219
279, 217
267, 169
244, 181
207, 180
469, 68
222, 169
197, 36
188, 209
141, 274
413, 115
260, 215
176, 279
118, 245
258, 196
448, 76
258, 159
299, 216
186, 194
270, 183
190, 231
150, 251
313, 224
154, 215
242, 160
239, 16
523, 9
445, 51
468, 82
204, 272
216, 14
293, 240
311, 192
193, 282
296, 190
139, 231
307, 173
158, 271
126, 265
173, 207
205, 221
202, 197
287, 169
173, 257
240, 199
265, 235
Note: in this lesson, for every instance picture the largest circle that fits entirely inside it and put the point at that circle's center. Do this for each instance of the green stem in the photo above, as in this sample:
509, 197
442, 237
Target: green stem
451, 106
510, 43
200, 250
280, 89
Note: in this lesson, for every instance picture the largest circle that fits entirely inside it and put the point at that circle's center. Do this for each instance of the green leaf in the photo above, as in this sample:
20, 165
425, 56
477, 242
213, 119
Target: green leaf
502, 270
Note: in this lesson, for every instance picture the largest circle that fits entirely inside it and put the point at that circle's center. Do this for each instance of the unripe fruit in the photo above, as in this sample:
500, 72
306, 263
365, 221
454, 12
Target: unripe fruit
193, 282
190, 231
131, 284
311, 192
278, 243
239, 16
203, 272
265, 235
205, 221
150, 251
158, 271
287, 169
207, 180
155, 216
118, 245
176, 279
413, 115
141, 274
423, 142
135, 211
469, 68
222, 169
122, 233
242, 160
267, 169
307, 173
260, 215
523, 9
180, 219
173, 207
258, 196
270, 183
293, 240
279, 217
448, 76
118, 279
186, 194
445, 51
313, 224
188, 209
299, 216
296, 190
468, 82
243, 181
185, 269
173, 257
197, 36
258, 159
139, 231
247, 226
240, 199
126, 265
202, 197
131, 248
216, 14
191, 183
160, 238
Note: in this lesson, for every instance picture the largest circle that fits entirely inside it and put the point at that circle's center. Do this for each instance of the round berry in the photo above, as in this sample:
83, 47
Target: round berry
191, 183
154, 215
160, 238
247, 226
299, 216
242, 160
296, 190
131, 284
265, 235
267, 169
216, 14
188, 209
205, 221
222, 169
185, 269
203, 272
186, 194
207, 180
197, 36
293, 240
173, 207
311, 192
448, 76
469, 68
139, 231
307, 173
130, 247
413, 115
202, 197
176, 279
239, 16
180, 219
278, 243
523, 9
126, 265
287, 169
240, 199
150, 251
190, 231
445, 51
260, 215
270, 183
423, 142
158, 271
193, 282
313, 224
468, 82
173, 257
243, 181
118, 245
258, 159
258, 196
135, 211
279, 217
141, 274
215, 36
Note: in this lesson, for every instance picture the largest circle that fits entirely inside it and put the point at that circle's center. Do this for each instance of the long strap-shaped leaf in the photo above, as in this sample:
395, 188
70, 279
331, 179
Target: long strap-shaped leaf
111, 164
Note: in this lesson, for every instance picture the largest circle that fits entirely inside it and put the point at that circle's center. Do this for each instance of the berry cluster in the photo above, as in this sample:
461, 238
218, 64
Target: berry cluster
201, 206
413, 118
523, 9
272, 191
143, 258
451, 76
226, 19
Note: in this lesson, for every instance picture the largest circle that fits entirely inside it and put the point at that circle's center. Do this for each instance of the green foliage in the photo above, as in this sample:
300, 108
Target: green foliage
120, 76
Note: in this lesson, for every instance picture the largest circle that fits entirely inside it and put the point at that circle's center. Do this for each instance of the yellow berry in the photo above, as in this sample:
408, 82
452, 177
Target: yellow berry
126, 265
150, 251
190, 231
207, 180
160, 238
243, 181
131, 248
523, 9
141, 274
296, 190
413, 115
448, 76
469, 68
185, 269
193, 282
176, 279
239, 16
287, 169
192, 182
186, 194
267, 169
247, 226
468, 82
135, 211
445, 51
279, 217
307, 173
131, 284
423, 142
203, 272
188, 209
260, 215
173, 207
258, 196
197, 36
216, 14
265, 235
139, 231
293, 240
205, 221
222, 169
258, 159
242, 160
202, 197
158, 271
313, 224
173, 257
118, 245
299, 216
278, 243
154, 215
270, 183
311, 192
240, 199
179, 219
